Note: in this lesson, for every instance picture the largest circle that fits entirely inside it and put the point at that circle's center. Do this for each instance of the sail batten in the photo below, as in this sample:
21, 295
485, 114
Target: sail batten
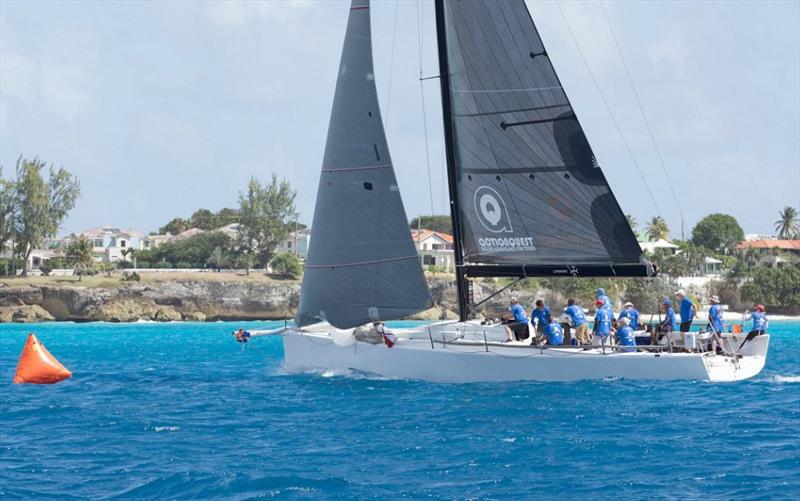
532, 196
362, 264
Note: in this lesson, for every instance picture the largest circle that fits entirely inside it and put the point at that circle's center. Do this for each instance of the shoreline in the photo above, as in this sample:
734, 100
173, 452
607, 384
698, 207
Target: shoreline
212, 297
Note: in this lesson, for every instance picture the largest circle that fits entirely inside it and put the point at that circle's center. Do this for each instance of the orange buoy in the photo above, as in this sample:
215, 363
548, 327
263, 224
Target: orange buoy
38, 366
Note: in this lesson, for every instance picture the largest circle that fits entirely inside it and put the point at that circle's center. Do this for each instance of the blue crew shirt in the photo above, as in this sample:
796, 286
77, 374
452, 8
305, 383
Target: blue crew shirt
626, 337
519, 313
554, 333
575, 313
631, 314
760, 322
669, 319
541, 314
602, 322
686, 310
715, 318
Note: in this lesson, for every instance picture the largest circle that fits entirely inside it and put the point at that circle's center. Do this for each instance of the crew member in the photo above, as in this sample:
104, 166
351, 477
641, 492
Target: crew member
554, 333
600, 295
667, 325
625, 334
602, 323
631, 314
540, 316
760, 322
517, 322
716, 324
579, 323
687, 309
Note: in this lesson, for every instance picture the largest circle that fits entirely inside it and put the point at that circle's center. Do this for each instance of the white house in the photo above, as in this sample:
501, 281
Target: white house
435, 248
650, 247
297, 243
109, 242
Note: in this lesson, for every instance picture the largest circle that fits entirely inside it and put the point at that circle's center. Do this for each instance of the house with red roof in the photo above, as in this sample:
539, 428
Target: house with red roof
435, 249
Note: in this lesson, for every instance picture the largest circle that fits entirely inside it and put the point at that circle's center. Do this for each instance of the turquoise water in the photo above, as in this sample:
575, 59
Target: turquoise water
180, 411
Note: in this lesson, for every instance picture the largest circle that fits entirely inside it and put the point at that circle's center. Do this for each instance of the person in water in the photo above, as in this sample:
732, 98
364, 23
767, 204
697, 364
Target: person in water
579, 323
602, 323
554, 333
687, 309
242, 336
625, 334
632, 314
516, 321
540, 316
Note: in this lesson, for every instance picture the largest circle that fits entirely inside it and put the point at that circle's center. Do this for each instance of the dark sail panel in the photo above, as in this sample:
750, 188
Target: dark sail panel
529, 186
362, 264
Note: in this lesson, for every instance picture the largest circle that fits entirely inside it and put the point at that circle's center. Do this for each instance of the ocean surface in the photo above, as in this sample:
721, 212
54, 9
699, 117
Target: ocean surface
181, 411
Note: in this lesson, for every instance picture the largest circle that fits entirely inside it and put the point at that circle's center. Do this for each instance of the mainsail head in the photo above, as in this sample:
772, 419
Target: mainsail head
362, 264
529, 188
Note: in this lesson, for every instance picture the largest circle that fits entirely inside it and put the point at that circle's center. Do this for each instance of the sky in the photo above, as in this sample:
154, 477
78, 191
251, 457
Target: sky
164, 107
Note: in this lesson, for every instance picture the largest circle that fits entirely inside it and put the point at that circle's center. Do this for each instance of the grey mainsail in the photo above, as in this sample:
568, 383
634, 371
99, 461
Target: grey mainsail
362, 263
530, 191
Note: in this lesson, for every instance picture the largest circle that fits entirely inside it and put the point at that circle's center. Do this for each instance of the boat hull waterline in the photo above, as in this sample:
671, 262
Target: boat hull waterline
455, 353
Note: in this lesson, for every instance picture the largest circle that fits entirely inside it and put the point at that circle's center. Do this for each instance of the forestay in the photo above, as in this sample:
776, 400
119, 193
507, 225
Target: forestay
362, 264
530, 190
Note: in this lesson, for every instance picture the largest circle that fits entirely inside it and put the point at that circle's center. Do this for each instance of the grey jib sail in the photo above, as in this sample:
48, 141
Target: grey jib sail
529, 187
362, 264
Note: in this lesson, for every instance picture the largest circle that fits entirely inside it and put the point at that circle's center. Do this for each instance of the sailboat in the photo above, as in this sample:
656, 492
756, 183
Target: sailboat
527, 199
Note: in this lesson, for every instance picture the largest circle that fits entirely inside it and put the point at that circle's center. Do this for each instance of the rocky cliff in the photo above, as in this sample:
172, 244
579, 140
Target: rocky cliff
198, 300
162, 301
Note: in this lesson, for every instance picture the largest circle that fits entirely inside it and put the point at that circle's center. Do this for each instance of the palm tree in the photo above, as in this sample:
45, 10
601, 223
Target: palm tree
657, 228
79, 253
787, 227
130, 251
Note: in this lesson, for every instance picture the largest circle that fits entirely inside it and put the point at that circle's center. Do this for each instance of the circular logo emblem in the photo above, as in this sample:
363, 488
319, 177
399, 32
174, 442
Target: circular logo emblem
491, 210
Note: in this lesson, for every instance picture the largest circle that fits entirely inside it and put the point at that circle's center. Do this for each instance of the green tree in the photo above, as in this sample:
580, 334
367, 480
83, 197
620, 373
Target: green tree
266, 213
174, 227
718, 232
79, 254
787, 226
777, 288
130, 254
287, 265
196, 250
40, 205
226, 216
204, 219
6, 211
441, 223
657, 228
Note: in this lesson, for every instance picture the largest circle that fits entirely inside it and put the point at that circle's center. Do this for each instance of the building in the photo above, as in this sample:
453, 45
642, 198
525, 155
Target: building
109, 243
435, 249
649, 247
772, 252
297, 243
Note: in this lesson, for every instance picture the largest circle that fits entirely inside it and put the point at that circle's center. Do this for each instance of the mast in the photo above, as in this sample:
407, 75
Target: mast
452, 172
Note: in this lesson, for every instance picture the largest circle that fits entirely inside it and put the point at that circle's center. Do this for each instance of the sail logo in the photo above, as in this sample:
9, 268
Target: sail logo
491, 210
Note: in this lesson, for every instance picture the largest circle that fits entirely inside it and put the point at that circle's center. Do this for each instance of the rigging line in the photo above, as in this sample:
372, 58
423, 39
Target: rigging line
641, 110
608, 108
424, 112
391, 64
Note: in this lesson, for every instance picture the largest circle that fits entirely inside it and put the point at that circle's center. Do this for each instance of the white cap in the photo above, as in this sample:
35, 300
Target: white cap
628, 304
624, 321
680, 292
714, 299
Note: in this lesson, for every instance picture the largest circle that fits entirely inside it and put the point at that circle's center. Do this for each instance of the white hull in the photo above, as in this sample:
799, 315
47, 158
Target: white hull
465, 357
